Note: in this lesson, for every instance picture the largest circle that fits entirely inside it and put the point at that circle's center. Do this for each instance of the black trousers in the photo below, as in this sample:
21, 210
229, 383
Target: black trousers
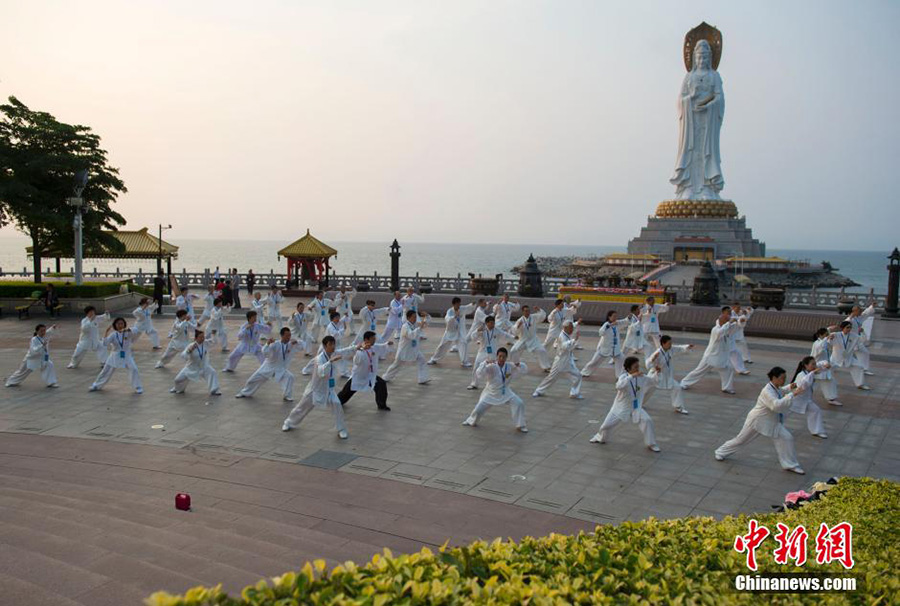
159, 302
381, 393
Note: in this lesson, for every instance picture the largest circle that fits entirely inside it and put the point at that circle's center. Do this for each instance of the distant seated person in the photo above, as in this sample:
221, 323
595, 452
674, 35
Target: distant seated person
50, 299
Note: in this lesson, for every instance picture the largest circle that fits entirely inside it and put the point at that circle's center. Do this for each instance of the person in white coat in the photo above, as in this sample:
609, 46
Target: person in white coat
320, 307
564, 363
276, 366
413, 302
497, 375
525, 329
258, 304
299, 323
482, 311
503, 311
858, 318
364, 376
368, 320
635, 343
320, 391
803, 384
185, 301
118, 342
37, 358
209, 300
335, 329
179, 337
766, 418
717, 355
197, 367
248, 341
609, 348
660, 365
143, 321
650, 320
821, 351
409, 350
558, 316
216, 327
740, 341
455, 333
846, 345
631, 387
490, 338
273, 303
395, 318
89, 337
343, 303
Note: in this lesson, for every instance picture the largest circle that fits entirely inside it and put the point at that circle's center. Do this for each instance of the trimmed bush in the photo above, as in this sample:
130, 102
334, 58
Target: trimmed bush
684, 561
65, 290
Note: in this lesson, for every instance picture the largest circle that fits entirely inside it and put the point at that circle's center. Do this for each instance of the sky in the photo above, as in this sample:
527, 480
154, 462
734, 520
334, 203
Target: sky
507, 121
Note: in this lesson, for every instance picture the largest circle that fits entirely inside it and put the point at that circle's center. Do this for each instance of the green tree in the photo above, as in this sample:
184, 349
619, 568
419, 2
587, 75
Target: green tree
39, 157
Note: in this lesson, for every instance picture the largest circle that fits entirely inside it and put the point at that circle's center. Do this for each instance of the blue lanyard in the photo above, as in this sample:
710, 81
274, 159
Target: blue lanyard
503, 376
778, 396
200, 351
634, 391
284, 349
666, 357
845, 339
121, 341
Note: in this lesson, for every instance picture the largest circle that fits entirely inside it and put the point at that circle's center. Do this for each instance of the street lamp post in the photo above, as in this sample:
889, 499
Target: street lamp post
159, 256
81, 179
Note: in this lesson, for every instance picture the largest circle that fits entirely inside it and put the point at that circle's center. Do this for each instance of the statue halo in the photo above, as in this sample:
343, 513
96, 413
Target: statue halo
707, 32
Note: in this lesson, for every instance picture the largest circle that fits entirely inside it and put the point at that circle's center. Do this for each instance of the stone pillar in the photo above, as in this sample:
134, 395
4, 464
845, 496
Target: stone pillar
395, 266
890, 304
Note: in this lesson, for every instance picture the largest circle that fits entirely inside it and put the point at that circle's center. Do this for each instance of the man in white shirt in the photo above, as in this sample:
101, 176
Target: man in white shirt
276, 366
564, 363
503, 311
364, 376
409, 350
412, 302
717, 354
497, 375
559, 315
525, 329
455, 333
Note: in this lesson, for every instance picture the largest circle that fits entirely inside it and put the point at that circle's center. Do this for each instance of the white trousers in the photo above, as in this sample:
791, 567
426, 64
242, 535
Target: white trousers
172, 350
862, 354
306, 404
48, 374
515, 353
479, 358
150, 332
107, 371
82, 348
419, 361
219, 338
736, 361
783, 440
828, 387
857, 374
446, 346
726, 375
676, 395
211, 376
566, 368
516, 409
618, 361
744, 349
237, 354
259, 377
814, 419
552, 334
645, 424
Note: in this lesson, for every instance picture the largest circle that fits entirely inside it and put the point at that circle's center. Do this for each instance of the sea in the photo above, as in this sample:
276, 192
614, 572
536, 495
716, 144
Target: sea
427, 258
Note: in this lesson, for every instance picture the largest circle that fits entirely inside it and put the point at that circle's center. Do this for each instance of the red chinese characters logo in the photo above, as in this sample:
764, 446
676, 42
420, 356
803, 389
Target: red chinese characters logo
834, 544
791, 545
750, 541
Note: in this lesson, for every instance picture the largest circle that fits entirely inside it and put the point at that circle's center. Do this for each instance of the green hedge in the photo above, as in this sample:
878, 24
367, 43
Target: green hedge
88, 290
684, 561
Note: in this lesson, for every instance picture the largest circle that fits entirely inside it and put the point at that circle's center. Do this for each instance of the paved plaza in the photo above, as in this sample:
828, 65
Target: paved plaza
406, 471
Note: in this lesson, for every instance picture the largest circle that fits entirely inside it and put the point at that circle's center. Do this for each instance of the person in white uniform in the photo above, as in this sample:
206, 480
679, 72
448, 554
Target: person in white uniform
320, 307
564, 363
216, 328
525, 329
503, 311
37, 358
368, 320
858, 318
409, 350
395, 318
766, 418
258, 304
803, 384
497, 375
320, 391
273, 303
143, 321
120, 356
89, 337
735, 357
248, 341
635, 343
197, 367
276, 366
208, 300
559, 315
482, 311
299, 323
650, 320
629, 404
717, 355
412, 302
660, 365
846, 345
490, 339
179, 337
335, 329
185, 301
455, 333
364, 376
343, 303
821, 351
740, 340
609, 348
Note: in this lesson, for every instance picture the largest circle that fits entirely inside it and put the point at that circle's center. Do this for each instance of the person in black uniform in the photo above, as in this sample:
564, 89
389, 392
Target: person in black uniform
159, 287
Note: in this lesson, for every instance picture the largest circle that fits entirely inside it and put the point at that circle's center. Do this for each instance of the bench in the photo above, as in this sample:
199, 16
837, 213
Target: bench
24, 311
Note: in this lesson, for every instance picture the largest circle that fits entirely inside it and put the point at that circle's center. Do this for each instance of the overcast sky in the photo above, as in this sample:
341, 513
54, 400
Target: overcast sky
489, 121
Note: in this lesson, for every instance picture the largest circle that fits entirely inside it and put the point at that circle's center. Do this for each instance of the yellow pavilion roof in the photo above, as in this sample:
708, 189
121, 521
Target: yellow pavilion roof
307, 247
140, 244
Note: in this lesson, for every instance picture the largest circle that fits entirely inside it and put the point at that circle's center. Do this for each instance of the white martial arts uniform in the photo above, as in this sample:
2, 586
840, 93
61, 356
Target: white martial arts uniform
368, 321
120, 356
299, 325
862, 349
803, 403
320, 393
557, 317
821, 351
563, 363
412, 303
216, 331
36, 358
408, 352
259, 306
455, 334
634, 338
740, 340
248, 343
273, 303
197, 368
89, 340
716, 356
395, 321
209, 301
321, 310
735, 357
336, 330
180, 336
490, 340
629, 406
186, 303
665, 378
845, 356
609, 348
481, 314
526, 330
343, 303
276, 366
766, 418
143, 323
497, 391
503, 312
650, 322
